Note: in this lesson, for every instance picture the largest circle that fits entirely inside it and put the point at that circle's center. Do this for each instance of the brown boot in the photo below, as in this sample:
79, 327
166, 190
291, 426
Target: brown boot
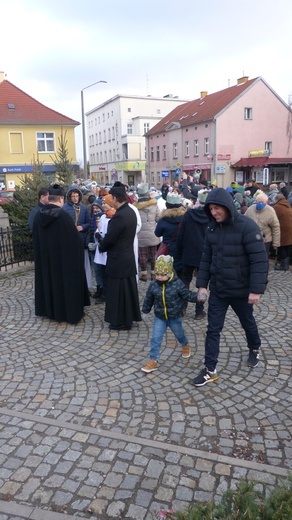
143, 276
152, 275
186, 351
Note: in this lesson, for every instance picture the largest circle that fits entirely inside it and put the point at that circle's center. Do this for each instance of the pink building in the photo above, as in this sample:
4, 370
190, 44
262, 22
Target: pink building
234, 134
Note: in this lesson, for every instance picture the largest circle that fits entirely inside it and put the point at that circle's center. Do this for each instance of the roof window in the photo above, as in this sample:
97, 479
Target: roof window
11, 106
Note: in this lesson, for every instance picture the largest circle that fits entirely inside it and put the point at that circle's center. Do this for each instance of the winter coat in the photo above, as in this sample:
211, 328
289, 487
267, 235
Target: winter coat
191, 236
284, 214
83, 216
149, 213
234, 260
60, 283
168, 298
267, 221
118, 243
166, 227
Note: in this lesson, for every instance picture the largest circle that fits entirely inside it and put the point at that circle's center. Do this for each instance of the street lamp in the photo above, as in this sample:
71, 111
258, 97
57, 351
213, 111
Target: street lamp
83, 125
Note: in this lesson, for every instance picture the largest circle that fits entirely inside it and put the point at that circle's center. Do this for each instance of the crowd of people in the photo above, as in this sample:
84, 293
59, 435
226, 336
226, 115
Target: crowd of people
98, 244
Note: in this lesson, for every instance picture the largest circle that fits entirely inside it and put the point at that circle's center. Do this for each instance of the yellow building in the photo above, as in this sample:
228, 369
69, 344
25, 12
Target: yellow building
30, 131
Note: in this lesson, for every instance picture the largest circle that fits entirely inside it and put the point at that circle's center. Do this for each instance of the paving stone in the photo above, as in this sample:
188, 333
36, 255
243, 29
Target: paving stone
87, 434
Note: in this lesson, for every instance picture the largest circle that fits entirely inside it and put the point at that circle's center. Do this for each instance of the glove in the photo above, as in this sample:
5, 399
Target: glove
145, 317
92, 246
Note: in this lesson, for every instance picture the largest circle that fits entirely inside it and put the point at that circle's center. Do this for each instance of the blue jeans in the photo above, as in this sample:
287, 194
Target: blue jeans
159, 329
216, 317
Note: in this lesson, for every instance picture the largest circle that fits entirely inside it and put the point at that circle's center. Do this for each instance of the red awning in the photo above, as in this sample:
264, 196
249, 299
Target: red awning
250, 162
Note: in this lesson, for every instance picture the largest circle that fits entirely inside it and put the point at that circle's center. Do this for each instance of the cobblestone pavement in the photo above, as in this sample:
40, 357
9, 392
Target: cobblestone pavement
84, 432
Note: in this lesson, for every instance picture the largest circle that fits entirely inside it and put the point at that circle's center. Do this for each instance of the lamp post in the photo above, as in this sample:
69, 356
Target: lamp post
83, 125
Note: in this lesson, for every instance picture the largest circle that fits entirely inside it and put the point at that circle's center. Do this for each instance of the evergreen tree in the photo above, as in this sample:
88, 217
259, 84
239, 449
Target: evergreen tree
26, 194
64, 168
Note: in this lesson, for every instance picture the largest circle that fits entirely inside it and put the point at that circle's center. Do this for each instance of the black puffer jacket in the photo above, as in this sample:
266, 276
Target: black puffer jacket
168, 298
234, 259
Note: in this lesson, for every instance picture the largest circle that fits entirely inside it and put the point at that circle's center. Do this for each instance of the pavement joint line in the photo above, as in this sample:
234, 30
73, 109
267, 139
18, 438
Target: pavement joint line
231, 461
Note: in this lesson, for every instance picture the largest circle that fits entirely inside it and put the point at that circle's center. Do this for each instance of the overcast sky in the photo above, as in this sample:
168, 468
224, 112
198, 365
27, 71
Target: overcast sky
52, 49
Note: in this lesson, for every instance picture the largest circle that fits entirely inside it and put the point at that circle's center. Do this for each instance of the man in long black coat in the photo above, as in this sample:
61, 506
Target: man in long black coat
122, 302
60, 285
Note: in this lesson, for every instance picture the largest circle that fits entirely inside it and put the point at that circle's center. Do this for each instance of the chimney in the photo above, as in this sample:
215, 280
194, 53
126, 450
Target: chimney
2, 76
203, 93
242, 80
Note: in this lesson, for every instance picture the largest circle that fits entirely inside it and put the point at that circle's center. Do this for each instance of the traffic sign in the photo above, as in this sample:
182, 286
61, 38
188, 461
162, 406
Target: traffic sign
177, 171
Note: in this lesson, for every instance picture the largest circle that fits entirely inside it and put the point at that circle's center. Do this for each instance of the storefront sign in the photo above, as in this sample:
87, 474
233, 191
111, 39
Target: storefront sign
223, 156
259, 153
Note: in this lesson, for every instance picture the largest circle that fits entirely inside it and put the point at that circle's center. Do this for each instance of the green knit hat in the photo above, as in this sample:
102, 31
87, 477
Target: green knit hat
164, 265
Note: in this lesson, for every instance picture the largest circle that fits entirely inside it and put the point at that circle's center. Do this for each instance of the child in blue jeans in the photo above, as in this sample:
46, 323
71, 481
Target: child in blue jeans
168, 294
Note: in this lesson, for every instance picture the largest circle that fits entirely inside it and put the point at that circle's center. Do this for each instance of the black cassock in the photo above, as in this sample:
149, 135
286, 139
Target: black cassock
122, 299
60, 284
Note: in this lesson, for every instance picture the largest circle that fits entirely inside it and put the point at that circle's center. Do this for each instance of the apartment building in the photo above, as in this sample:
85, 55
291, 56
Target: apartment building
116, 136
232, 134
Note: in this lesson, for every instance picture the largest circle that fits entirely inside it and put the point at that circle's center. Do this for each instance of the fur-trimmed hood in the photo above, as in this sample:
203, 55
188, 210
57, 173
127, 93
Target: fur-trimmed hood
173, 212
145, 203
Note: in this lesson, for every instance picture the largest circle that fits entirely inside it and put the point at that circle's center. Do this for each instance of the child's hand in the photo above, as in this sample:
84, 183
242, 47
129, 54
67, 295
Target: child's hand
145, 317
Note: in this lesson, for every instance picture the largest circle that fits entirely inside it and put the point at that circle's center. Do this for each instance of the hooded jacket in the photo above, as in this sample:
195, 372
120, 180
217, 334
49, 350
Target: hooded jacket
60, 283
149, 213
166, 227
81, 217
234, 261
168, 298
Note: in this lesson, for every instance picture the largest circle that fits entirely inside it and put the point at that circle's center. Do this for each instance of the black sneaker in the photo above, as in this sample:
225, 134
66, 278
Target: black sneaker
205, 376
200, 315
253, 358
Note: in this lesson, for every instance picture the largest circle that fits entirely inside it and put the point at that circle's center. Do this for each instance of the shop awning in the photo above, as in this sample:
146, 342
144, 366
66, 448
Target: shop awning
252, 162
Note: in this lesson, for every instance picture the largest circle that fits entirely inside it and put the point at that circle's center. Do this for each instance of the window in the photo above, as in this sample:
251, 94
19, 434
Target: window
113, 133
129, 129
129, 109
175, 150
158, 111
268, 146
146, 127
187, 148
248, 113
105, 156
114, 154
104, 136
109, 134
152, 154
157, 153
45, 142
103, 117
99, 135
164, 152
196, 147
16, 143
206, 145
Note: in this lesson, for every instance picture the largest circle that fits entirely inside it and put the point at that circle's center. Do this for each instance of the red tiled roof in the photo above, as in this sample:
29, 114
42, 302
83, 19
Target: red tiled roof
202, 109
26, 109
249, 162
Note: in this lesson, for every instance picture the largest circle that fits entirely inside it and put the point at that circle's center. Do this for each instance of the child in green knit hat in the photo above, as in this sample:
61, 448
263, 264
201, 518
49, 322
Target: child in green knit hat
168, 294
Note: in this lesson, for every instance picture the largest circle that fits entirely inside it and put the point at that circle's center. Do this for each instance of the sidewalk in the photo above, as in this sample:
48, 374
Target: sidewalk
85, 434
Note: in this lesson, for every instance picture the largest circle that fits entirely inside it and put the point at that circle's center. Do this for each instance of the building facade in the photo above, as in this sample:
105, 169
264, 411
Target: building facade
233, 134
116, 136
30, 131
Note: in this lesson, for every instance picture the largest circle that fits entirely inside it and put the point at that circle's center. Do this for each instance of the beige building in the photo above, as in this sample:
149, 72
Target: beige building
30, 131
116, 142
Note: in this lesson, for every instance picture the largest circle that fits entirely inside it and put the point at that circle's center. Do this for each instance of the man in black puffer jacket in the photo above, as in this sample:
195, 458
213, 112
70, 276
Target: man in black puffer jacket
235, 265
